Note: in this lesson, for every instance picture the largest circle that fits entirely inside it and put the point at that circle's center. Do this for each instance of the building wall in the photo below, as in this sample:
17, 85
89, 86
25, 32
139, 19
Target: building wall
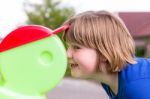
138, 24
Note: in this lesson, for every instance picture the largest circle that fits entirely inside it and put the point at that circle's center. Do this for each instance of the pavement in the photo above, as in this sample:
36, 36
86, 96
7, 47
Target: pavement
70, 88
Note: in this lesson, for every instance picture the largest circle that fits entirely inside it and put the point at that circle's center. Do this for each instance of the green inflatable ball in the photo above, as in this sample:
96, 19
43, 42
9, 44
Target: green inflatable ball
32, 62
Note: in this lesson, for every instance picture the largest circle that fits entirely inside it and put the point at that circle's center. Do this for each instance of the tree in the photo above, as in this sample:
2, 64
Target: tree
48, 13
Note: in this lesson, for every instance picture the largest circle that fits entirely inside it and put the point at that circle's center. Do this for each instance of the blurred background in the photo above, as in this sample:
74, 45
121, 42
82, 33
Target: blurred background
52, 14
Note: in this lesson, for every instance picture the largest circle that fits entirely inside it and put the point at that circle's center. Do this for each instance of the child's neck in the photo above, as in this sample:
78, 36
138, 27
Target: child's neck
109, 79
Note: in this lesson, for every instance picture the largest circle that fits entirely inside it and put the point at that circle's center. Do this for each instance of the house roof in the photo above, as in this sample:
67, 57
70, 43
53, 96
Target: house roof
138, 23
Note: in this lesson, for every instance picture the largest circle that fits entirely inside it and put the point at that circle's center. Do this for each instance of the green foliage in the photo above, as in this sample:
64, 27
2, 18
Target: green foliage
48, 13
140, 51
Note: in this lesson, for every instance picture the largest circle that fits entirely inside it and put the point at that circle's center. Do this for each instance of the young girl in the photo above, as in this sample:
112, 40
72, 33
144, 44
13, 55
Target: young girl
101, 47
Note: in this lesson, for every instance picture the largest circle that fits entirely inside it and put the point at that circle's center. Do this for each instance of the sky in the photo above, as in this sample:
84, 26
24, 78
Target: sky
12, 12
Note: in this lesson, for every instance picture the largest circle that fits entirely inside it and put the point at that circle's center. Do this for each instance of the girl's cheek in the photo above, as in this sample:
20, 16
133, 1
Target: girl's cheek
87, 65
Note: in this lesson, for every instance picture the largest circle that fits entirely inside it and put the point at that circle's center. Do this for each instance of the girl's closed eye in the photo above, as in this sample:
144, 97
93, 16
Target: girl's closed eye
75, 47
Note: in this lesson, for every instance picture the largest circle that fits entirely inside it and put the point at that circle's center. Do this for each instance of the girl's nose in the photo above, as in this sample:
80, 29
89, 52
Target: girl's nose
69, 53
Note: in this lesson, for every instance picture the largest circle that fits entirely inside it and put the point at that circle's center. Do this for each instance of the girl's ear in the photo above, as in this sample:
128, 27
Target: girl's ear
102, 58
102, 63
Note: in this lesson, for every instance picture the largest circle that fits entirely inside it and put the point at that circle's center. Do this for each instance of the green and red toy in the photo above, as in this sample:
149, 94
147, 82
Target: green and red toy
32, 62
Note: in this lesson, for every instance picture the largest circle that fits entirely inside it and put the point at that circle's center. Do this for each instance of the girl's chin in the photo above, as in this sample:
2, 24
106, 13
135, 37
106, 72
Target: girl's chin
78, 75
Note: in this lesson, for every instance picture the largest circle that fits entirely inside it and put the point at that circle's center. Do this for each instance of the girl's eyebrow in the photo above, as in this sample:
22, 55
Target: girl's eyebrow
73, 44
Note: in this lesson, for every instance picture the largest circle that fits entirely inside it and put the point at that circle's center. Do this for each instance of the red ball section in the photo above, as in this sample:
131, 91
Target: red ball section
27, 34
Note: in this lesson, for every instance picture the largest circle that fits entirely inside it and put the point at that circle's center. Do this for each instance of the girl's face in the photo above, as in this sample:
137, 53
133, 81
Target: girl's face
82, 61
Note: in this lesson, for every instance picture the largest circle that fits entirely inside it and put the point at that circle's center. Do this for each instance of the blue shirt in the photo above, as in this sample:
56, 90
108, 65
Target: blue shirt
133, 81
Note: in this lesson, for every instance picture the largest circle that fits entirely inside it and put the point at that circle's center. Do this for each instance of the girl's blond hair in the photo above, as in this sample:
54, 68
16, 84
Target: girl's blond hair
105, 33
